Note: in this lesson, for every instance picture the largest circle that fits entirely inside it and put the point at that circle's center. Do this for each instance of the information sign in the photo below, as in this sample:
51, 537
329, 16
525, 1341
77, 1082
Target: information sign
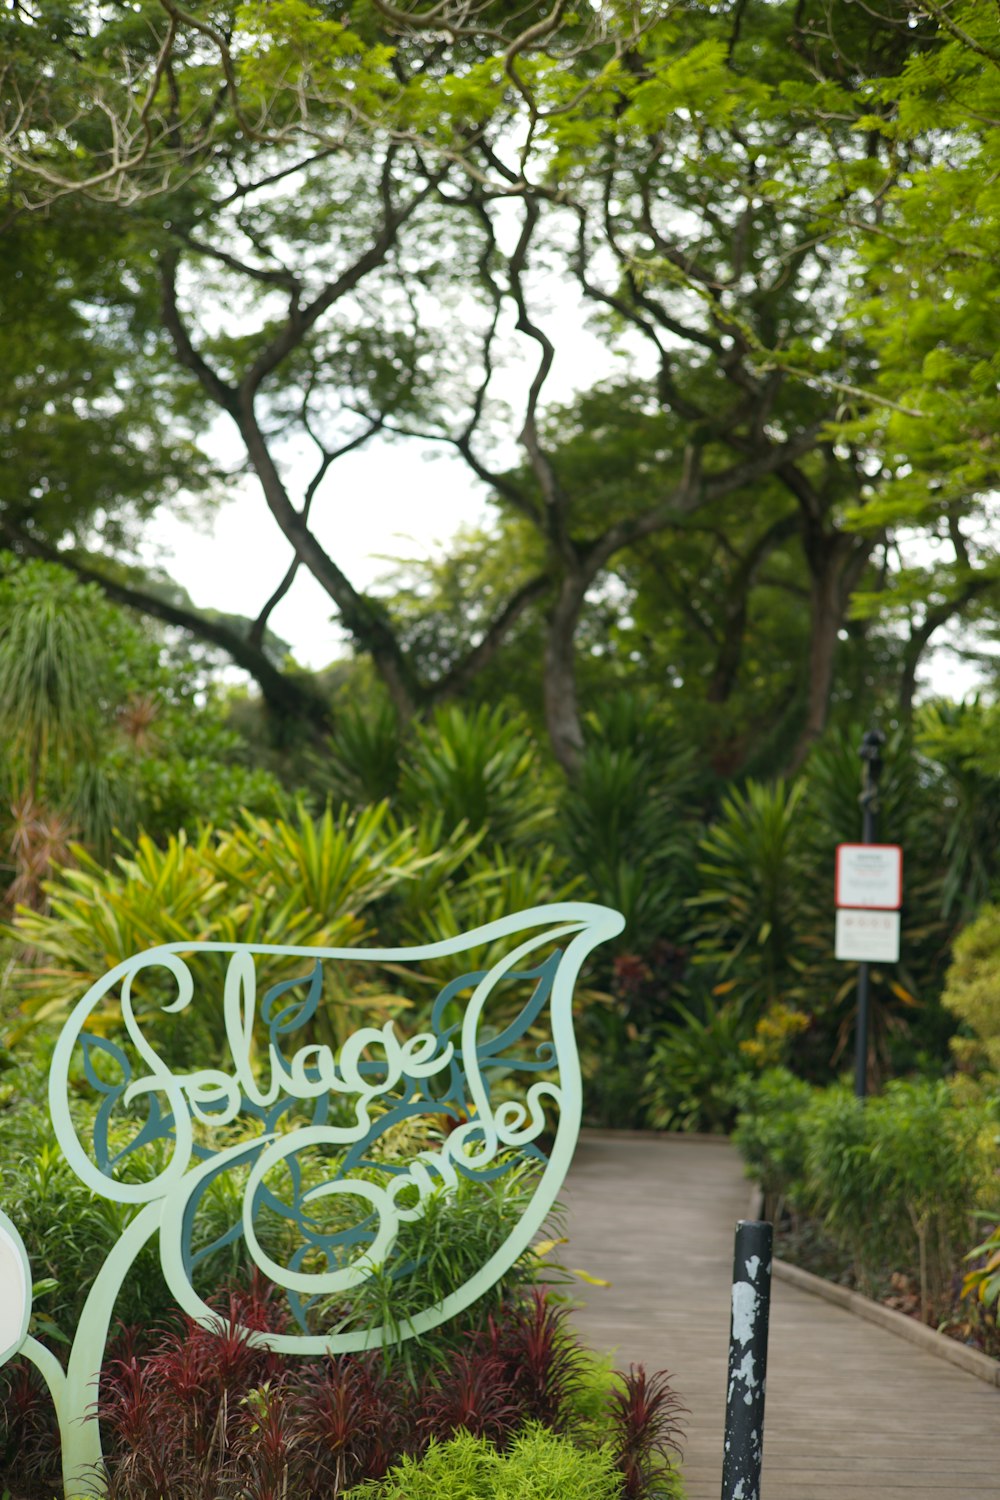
870, 876
868, 936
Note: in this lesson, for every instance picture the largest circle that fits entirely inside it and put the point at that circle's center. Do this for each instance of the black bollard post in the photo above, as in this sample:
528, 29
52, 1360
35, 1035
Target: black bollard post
744, 1447
871, 759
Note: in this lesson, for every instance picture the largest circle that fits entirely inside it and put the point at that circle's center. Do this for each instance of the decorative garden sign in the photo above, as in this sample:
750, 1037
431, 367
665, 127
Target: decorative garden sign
317, 1149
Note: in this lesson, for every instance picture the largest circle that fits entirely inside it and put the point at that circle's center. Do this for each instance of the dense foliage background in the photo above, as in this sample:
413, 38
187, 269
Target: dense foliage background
317, 228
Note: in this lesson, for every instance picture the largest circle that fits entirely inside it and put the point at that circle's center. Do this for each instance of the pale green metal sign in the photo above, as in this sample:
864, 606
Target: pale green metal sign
312, 1118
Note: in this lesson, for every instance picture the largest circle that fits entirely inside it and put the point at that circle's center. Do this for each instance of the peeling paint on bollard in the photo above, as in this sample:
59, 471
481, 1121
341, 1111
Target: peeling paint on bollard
751, 1300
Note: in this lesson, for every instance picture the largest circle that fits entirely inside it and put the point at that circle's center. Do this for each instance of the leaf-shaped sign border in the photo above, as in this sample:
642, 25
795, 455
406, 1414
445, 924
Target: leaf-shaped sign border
580, 926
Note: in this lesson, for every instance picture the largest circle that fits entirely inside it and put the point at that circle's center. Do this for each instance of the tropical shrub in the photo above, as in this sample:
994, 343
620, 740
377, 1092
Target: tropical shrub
937, 1163
983, 1278
29, 1437
630, 819
542, 1361
307, 880
771, 1134
895, 1180
695, 1069
102, 729
197, 1411
972, 992
478, 770
751, 907
958, 740
362, 758
645, 1429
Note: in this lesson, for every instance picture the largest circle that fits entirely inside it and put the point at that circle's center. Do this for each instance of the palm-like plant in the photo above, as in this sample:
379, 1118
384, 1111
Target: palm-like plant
628, 828
56, 688
479, 768
54, 675
751, 911
362, 758
960, 740
308, 880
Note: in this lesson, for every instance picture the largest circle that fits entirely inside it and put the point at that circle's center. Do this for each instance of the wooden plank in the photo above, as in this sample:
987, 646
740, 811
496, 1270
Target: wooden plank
853, 1413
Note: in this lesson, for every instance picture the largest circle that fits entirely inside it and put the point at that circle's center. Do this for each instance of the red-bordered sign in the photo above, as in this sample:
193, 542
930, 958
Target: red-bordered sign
869, 876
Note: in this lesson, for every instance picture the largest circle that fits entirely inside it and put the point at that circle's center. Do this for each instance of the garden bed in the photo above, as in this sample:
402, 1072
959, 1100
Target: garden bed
943, 1342
884, 1201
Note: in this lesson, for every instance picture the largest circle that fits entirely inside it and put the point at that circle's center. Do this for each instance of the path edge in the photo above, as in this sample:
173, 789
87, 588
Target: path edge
972, 1361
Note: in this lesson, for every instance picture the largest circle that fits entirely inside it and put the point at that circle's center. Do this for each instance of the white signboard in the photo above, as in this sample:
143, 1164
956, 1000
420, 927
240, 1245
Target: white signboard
869, 936
870, 875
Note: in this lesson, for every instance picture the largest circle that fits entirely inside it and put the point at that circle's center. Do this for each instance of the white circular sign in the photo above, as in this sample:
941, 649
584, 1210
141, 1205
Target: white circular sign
15, 1290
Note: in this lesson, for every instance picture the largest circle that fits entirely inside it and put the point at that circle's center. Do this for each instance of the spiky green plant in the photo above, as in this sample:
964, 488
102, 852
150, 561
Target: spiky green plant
303, 879
479, 768
54, 674
362, 758
751, 910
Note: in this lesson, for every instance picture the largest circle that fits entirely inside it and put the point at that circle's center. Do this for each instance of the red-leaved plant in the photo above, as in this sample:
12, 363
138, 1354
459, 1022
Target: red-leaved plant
542, 1360
477, 1393
353, 1420
29, 1438
644, 1412
206, 1414
171, 1419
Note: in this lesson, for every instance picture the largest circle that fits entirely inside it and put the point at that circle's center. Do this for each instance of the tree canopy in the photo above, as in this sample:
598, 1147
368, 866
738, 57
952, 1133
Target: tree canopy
315, 224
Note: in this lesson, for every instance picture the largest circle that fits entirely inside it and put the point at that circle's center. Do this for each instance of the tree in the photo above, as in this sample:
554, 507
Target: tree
297, 194
207, 195
926, 303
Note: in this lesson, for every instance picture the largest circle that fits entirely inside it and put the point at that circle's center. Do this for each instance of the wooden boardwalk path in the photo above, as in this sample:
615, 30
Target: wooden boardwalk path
853, 1412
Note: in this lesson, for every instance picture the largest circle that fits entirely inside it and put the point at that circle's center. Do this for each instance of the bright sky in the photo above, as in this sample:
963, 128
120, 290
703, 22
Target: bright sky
386, 500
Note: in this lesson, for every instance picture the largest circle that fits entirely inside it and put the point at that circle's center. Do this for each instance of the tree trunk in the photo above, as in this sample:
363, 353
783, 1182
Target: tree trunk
836, 563
358, 614
730, 654
562, 709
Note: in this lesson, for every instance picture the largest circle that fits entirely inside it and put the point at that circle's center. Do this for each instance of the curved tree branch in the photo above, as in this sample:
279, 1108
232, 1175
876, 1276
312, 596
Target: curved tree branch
458, 677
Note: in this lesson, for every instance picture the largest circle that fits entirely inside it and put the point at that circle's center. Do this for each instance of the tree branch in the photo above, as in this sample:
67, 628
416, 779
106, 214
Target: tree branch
256, 635
552, 495
224, 395
459, 676
301, 320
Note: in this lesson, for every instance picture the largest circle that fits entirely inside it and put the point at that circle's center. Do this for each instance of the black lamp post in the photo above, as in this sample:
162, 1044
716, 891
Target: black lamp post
871, 762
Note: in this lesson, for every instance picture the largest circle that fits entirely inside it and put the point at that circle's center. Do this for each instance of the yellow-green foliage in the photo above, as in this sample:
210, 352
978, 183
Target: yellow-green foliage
305, 880
972, 992
540, 1465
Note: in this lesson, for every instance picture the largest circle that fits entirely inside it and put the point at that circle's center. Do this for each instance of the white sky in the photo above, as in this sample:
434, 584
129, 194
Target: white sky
388, 499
